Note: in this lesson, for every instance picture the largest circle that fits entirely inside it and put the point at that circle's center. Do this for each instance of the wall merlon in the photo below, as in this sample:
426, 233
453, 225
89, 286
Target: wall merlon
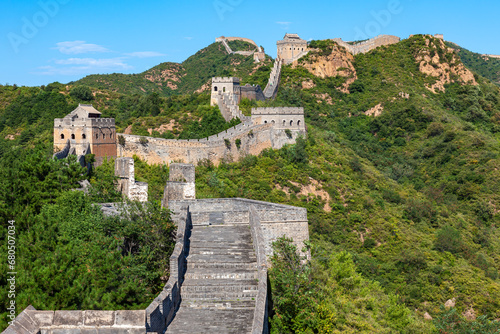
226, 80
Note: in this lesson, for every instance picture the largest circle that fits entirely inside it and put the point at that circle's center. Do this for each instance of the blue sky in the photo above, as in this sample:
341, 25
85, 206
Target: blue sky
43, 41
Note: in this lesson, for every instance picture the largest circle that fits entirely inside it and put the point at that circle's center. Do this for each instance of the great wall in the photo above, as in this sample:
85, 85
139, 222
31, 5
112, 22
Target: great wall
368, 45
218, 269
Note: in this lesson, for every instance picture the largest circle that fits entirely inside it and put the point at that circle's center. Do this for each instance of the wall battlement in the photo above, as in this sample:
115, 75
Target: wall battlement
226, 80
278, 111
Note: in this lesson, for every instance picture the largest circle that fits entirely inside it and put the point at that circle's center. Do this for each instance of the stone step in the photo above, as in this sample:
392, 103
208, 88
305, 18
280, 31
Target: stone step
244, 275
221, 266
248, 295
233, 252
220, 217
208, 258
219, 285
197, 321
214, 304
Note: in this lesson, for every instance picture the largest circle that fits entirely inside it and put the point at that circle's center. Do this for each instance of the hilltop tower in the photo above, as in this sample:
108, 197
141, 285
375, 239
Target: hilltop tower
82, 132
291, 48
229, 86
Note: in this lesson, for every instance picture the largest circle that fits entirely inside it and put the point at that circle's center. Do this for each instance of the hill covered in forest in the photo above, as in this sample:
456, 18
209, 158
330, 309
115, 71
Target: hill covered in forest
192, 75
399, 174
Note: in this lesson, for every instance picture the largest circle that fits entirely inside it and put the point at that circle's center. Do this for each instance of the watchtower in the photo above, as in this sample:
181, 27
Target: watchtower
229, 86
291, 48
86, 132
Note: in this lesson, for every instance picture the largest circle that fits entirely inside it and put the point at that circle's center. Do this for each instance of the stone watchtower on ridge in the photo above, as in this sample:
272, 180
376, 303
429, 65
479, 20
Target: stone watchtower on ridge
291, 48
82, 132
229, 86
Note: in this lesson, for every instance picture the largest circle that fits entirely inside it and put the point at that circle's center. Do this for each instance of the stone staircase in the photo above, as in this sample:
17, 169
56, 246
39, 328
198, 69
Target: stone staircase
221, 282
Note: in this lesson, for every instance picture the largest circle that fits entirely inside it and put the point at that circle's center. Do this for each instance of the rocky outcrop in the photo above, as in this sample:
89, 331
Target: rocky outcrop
442, 63
337, 63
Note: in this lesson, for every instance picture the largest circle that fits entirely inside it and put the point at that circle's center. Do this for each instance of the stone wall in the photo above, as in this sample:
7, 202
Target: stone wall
271, 89
32, 321
252, 93
162, 310
260, 320
255, 136
280, 118
368, 45
181, 183
125, 171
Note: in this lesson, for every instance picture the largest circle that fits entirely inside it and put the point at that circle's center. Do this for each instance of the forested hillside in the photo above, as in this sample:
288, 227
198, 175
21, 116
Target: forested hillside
399, 174
486, 66
192, 75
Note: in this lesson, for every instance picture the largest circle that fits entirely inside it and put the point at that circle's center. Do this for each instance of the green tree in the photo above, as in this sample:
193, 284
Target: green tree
83, 93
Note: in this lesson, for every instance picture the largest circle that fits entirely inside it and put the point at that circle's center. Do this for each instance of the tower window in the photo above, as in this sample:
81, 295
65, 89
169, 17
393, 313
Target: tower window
284, 123
265, 122
62, 136
291, 123
298, 123
215, 88
103, 136
72, 136
84, 136
96, 136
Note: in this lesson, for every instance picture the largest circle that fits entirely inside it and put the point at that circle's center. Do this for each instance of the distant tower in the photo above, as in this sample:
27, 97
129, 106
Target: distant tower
229, 86
291, 48
83, 131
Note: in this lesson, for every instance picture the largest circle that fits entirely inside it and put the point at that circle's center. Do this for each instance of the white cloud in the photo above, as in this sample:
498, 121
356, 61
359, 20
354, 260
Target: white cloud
284, 25
91, 62
78, 47
145, 54
83, 66
188, 38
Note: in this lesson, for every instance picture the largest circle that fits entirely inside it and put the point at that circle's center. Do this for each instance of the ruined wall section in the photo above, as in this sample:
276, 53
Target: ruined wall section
126, 184
368, 45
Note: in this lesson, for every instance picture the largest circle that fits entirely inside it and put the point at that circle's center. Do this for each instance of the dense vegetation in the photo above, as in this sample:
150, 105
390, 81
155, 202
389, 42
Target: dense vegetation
403, 207
485, 66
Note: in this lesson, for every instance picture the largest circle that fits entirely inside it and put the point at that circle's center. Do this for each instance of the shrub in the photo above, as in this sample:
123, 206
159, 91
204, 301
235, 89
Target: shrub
369, 243
434, 129
288, 133
228, 143
121, 140
143, 140
448, 240
238, 143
